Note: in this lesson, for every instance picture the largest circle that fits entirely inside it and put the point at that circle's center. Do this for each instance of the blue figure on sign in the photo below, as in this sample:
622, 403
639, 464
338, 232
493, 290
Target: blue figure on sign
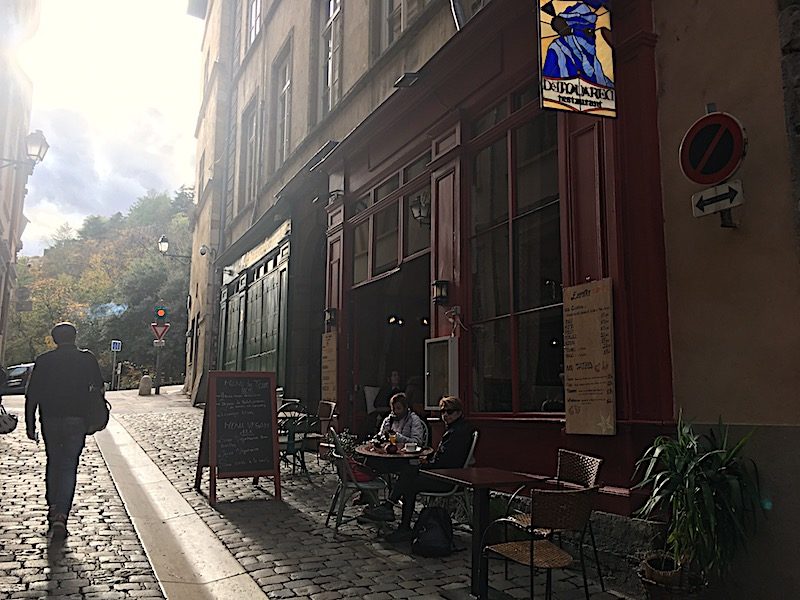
574, 53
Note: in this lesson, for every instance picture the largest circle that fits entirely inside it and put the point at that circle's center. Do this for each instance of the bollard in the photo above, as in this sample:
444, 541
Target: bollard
145, 385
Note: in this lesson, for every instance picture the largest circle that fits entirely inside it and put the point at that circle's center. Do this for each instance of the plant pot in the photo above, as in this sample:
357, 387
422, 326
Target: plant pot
663, 581
661, 569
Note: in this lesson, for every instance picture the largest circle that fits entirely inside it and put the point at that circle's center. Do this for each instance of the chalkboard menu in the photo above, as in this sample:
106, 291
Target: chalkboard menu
589, 359
239, 428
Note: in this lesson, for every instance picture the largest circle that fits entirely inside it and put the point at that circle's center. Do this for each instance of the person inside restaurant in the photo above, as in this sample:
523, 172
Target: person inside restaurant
450, 454
381, 402
405, 424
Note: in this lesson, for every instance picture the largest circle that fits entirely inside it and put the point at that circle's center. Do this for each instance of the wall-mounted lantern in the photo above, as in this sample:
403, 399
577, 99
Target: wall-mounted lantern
330, 316
440, 291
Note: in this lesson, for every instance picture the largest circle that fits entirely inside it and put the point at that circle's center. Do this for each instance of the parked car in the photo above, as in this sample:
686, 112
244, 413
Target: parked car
16, 379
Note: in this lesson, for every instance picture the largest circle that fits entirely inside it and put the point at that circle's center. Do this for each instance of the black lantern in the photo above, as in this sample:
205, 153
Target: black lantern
420, 206
330, 316
440, 291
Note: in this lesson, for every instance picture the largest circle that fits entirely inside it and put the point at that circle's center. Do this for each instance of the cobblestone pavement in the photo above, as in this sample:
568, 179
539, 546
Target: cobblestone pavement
102, 558
284, 546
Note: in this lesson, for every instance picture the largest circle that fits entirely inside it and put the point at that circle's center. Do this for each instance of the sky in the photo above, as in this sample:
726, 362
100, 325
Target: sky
116, 91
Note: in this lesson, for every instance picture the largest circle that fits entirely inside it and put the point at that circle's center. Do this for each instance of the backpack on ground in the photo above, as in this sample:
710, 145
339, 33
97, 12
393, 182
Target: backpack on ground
433, 533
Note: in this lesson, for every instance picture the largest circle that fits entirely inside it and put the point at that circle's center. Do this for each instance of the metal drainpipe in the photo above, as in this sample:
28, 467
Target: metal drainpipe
458, 14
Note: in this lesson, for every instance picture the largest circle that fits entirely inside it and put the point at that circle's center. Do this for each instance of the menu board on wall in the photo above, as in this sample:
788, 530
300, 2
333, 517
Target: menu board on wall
589, 359
329, 347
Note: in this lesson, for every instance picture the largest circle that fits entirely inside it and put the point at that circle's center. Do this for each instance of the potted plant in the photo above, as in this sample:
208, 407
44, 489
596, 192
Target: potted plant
709, 494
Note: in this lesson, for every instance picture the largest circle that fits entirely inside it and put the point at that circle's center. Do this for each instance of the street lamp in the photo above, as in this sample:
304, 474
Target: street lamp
36, 147
163, 248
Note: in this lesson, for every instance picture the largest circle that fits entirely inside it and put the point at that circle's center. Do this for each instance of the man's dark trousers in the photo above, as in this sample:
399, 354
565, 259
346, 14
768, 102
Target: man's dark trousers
63, 441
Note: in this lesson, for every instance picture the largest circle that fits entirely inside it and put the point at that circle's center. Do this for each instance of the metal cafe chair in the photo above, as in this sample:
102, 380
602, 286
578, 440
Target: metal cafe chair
574, 469
553, 510
293, 439
349, 485
456, 491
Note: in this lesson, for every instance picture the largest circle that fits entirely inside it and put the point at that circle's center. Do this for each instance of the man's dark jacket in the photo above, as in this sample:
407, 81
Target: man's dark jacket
454, 446
59, 383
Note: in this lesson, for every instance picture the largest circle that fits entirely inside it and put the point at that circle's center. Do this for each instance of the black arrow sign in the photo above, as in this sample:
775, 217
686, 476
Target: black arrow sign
730, 195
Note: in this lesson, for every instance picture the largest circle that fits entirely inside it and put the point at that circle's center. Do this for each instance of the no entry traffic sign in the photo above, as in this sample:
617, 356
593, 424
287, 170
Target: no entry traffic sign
713, 148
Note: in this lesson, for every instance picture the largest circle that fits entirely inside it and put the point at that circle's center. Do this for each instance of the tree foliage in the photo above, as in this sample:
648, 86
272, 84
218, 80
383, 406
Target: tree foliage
107, 277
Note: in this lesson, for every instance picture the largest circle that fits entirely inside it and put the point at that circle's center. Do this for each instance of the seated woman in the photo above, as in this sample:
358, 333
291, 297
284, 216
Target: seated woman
404, 423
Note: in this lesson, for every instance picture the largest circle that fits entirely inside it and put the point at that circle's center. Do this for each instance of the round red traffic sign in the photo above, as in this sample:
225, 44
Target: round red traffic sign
713, 148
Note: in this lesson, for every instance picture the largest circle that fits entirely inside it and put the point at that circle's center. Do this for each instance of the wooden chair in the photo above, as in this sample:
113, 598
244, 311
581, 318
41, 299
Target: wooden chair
574, 469
326, 417
348, 485
553, 510
456, 491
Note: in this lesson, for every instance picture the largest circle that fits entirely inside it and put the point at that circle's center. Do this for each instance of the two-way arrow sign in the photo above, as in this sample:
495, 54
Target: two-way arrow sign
718, 198
159, 329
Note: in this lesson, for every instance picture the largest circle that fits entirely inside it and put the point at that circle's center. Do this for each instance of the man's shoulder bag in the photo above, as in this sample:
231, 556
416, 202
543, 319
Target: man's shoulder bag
98, 410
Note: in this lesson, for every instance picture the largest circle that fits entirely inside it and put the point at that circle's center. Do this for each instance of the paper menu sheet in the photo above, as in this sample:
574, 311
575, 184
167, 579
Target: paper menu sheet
589, 385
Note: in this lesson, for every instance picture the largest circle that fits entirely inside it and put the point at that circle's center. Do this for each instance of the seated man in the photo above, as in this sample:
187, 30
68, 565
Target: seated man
451, 454
404, 423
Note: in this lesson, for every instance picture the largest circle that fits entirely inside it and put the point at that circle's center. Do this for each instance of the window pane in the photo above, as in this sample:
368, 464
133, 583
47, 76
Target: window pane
526, 96
361, 252
416, 168
417, 230
362, 204
537, 258
541, 361
387, 188
536, 150
490, 293
491, 367
490, 187
385, 242
489, 119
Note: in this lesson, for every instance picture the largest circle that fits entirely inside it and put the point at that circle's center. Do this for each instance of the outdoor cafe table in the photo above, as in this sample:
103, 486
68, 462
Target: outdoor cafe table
370, 451
480, 480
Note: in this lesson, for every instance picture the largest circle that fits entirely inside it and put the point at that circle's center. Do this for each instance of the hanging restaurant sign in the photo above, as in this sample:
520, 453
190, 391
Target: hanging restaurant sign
576, 67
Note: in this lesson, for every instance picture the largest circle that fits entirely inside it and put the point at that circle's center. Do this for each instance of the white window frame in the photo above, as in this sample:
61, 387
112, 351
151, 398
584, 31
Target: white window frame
283, 107
249, 157
253, 21
394, 17
331, 55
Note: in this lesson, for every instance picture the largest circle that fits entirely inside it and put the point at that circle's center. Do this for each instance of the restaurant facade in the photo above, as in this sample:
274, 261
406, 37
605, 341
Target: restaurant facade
467, 210
427, 216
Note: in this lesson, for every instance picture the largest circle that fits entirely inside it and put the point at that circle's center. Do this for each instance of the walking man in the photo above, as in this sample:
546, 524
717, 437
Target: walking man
59, 387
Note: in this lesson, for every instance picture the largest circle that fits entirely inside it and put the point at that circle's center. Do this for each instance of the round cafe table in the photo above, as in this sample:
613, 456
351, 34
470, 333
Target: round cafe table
370, 451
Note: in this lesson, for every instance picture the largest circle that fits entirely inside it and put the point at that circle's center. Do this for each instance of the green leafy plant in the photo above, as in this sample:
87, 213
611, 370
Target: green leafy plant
709, 493
348, 440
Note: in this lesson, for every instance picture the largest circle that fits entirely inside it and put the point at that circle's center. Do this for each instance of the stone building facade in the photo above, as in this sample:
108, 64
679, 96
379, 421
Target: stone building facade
19, 22
352, 153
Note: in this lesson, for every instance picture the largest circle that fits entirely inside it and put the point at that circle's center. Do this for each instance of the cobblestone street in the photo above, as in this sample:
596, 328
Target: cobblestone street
284, 546
102, 558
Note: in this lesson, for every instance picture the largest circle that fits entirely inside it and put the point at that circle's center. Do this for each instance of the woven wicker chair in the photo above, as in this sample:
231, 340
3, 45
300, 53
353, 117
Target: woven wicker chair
574, 469
554, 510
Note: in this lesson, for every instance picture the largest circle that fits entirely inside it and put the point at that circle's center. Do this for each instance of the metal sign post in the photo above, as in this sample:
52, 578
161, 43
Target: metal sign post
159, 330
116, 346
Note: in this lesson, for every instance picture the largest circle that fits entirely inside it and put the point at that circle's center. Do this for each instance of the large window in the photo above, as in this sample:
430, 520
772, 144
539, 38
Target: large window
248, 185
397, 225
331, 54
282, 81
253, 20
515, 250
391, 18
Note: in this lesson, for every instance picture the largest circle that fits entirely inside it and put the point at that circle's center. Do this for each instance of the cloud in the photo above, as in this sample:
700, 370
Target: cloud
118, 108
